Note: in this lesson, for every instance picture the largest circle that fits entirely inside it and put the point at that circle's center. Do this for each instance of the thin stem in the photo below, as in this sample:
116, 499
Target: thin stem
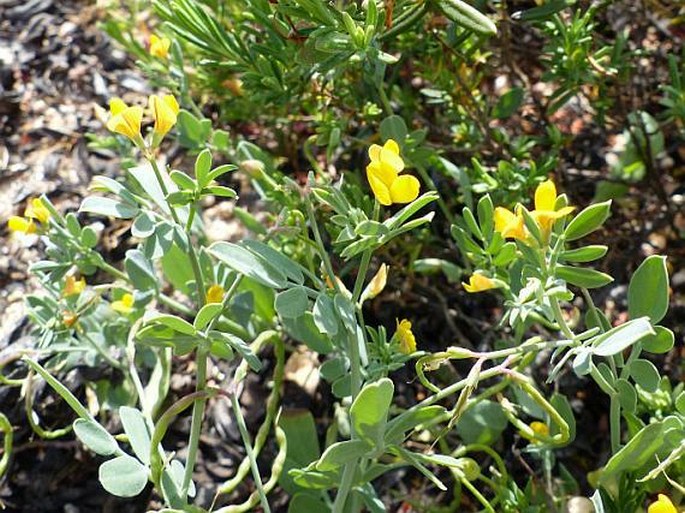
196, 422
114, 363
250, 453
615, 423
559, 317
319, 241
194, 263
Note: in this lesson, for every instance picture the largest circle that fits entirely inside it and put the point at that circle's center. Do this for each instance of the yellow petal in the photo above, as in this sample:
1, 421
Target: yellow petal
545, 196
164, 112
540, 428
159, 46
124, 305
215, 294
404, 189
127, 122
21, 225
662, 505
36, 210
380, 190
374, 152
377, 283
117, 106
389, 155
479, 283
406, 337
503, 217
73, 287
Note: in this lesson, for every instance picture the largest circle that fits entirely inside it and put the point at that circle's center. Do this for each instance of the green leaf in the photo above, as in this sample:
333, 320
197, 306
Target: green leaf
325, 317
137, 431
617, 339
243, 261
173, 322
645, 374
303, 446
542, 12
486, 212
369, 411
95, 437
108, 207
206, 315
333, 369
304, 329
659, 343
307, 502
397, 427
123, 476
408, 211
184, 182
240, 347
584, 254
508, 103
648, 289
580, 277
640, 449
58, 387
627, 395
482, 423
370, 228
140, 270
463, 14
89, 238
219, 190
193, 131
393, 127
587, 221
143, 226
203, 163
290, 268
340, 453
291, 303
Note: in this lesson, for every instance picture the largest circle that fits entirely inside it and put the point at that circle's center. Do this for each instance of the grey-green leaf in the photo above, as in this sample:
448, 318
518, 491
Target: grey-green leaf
108, 207
617, 339
645, 374
241, 260
291, 303
123, 476
590, 219
137, 431
369, 412
95, 437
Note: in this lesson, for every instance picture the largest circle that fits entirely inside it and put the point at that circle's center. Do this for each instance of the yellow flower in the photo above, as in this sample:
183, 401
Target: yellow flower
21, 225
479, 283
662, 505
125, 120
69, 318
159, 46
73, 287
215, 294
540, 428
510, 225
164, 112
36, 210
545, 199
377, 283
123, 305
383, 175
406, 337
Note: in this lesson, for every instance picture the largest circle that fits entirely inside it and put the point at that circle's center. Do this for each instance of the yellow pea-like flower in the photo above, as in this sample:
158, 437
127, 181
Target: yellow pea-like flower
123, 305
73, 287
377, 283
662, 505
383, 175
18, 224
165, 112
479, 283
539, 428
406, 337
125, 120
36, 210
545, 199
215, 294
159, 46
510, 225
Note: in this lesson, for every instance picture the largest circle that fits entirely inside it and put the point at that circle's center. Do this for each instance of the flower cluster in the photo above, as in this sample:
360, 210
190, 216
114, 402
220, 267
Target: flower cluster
127, 120
511, 225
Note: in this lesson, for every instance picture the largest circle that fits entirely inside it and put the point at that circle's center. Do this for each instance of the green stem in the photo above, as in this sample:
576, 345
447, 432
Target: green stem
320, 245
559, 317
615, 423
250, 453
194, 263
196, 421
